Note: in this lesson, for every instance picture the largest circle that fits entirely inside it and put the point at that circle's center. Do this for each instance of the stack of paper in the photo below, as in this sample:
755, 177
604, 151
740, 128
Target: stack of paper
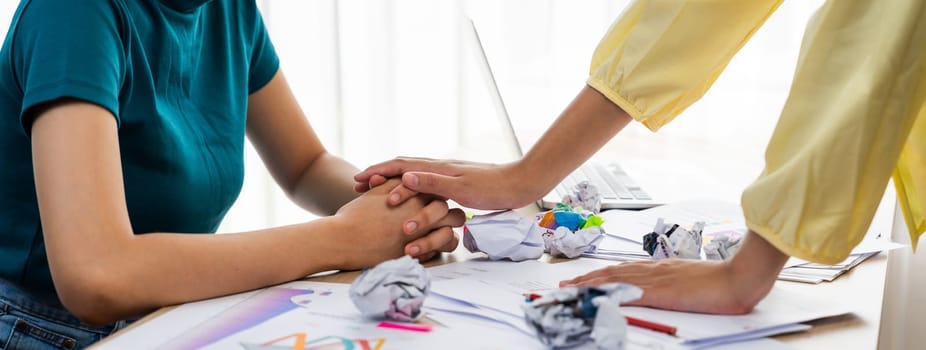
808, 272
625, 230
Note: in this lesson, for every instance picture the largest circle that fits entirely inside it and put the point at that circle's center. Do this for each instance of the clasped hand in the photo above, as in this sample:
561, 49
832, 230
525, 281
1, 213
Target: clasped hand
383, 231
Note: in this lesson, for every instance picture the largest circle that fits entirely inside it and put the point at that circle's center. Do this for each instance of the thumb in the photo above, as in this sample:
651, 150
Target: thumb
431, 183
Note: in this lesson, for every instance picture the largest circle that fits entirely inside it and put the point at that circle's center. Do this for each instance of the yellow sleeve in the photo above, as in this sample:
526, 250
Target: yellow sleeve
660, 56
848, 123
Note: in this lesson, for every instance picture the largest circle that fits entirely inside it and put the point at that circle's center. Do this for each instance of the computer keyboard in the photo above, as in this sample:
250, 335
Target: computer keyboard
612, 182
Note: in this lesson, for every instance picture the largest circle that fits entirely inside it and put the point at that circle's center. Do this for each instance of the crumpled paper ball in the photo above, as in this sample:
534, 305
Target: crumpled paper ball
586, 317
563, 242
722, 247
504, 235
508, 235
584, 195
673, 241
571, 231
394, 289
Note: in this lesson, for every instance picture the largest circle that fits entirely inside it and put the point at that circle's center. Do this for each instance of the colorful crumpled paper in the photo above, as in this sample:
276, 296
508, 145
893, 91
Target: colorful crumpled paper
584, 317
508, 235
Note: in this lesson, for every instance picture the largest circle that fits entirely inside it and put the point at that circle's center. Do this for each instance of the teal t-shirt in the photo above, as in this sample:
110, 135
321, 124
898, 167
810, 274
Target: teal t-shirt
176, 75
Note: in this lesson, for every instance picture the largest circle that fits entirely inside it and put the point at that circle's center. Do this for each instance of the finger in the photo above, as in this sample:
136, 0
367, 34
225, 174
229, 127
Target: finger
597, 281
396, 167
361, 187
426, 218
427, 256
387, 186
450, 246
455, 218
631, 272
610, 270
430, 242
400, 194
377, 180
433, 183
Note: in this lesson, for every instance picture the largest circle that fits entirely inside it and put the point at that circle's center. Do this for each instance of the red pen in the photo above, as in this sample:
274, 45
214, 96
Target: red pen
531, 296
659, 327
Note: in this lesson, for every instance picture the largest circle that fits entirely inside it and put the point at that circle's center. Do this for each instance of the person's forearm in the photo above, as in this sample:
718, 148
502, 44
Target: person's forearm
589, 122
135, 275
325, 185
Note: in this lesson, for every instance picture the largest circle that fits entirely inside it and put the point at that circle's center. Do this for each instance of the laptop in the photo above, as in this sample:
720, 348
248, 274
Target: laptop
617, 188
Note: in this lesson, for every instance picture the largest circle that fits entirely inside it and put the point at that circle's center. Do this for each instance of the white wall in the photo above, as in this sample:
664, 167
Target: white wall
904, 299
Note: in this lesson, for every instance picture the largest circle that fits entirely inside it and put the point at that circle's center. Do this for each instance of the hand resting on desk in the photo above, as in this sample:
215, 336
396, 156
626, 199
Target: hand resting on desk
732, 286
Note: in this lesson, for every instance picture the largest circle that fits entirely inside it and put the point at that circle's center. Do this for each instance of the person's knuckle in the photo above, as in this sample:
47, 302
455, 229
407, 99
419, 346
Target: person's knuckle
424, 218
451, 243
405, 192
427, 181
426, 244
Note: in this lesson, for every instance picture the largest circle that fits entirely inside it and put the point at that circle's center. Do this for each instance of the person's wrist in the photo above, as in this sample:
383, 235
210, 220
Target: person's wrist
332, 237
525, 188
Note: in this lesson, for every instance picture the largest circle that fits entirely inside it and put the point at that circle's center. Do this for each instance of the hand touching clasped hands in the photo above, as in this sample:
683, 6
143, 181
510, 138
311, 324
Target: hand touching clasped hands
471, 184
382, 232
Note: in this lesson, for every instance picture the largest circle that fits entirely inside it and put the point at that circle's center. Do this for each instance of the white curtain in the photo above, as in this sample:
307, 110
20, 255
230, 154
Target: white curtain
378, 79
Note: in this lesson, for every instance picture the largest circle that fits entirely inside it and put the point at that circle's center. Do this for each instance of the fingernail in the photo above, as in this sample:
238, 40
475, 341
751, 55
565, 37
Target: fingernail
413, 250
412, 180
394, 198
410, 227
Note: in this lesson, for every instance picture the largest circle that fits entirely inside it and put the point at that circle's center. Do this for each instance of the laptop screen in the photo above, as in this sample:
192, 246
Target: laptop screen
472, 37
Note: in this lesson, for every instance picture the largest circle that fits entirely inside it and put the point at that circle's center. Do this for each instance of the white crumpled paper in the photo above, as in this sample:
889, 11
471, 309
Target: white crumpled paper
584, 195
504, 235
674, 241
722, 247
394, 289
582, 318
563, 242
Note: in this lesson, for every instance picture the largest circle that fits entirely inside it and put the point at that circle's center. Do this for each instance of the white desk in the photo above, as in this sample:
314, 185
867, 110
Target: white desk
862, 287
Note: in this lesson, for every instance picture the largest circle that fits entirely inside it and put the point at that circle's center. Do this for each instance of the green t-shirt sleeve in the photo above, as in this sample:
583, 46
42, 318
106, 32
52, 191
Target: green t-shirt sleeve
68, 49
264, 61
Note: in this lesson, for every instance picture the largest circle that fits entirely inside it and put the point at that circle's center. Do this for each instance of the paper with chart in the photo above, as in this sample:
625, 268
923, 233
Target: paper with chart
297, 315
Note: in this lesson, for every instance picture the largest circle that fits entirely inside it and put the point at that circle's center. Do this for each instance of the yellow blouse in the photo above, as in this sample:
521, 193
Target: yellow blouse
849, 121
